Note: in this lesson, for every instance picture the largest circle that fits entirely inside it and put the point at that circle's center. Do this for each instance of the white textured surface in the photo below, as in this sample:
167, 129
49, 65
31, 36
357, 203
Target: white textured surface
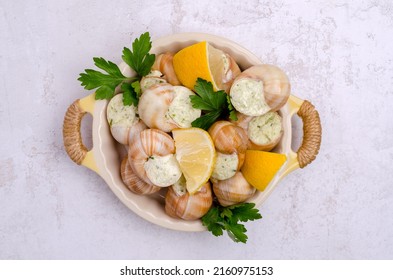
338, 55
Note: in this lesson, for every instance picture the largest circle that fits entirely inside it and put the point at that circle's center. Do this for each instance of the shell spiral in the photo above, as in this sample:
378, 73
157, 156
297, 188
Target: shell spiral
244, 121
153, 105
233, 190
149, 142
133, 182
276, 86
229, 138
164, 64
189, 207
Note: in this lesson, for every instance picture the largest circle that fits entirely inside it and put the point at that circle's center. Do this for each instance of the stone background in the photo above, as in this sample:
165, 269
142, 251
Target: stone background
337, 54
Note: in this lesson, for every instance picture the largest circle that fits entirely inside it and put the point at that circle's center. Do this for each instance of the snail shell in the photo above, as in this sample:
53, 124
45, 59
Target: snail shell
124, 134
229, 138
231, 71
233, 190
259, 89
153, 105
153, 78
264, 132
167, 107
154, 144
123, 120
133, 182
164, 64
186, 206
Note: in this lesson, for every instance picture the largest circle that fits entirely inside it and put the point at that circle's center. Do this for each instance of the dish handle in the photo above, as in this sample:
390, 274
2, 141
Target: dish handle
312, 134
72, 137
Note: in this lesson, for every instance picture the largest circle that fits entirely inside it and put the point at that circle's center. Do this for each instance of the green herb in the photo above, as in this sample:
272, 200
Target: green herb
131, 93
220, 219
205, 121
138, 59
231, 109
105, 83
214, 104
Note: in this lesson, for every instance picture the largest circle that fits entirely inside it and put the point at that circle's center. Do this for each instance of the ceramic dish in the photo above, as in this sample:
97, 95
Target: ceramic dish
105, 156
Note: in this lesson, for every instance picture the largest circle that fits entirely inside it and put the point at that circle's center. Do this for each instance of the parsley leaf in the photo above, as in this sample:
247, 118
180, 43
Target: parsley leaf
139, 58
213, 103
226, 212
207, 98
212, 221
206, 120
104, 92
219, 218
137, 87
237, 232
106, 83
130, 95
231, 109
245, 212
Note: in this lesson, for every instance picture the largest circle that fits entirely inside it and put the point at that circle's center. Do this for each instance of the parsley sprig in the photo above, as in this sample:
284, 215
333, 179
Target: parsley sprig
214, 104
139, 58
106, 83
131, 93
220, 219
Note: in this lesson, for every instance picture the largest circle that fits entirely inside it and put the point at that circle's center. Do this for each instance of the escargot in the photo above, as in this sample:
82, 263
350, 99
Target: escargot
180, 204
260, 89
233, 190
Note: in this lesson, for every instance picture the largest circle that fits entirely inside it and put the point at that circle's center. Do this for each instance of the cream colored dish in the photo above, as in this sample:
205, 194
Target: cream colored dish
106, 155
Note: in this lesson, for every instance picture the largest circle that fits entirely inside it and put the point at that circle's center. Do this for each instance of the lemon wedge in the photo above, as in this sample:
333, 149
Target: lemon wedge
196, 155
200, 60
260, 167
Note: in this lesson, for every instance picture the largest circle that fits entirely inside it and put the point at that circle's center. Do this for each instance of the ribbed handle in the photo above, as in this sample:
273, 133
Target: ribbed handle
312, 134
71, 133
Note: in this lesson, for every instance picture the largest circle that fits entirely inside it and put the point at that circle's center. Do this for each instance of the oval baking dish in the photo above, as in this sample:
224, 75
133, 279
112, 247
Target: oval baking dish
105, 156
